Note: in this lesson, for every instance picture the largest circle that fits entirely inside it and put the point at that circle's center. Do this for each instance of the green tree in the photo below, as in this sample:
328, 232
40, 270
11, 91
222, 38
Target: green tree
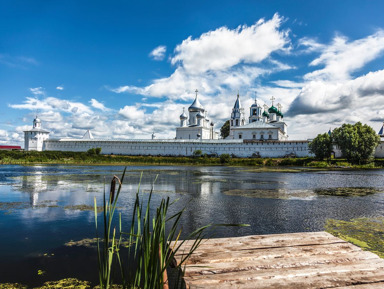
357, 142
224, 131
321, 146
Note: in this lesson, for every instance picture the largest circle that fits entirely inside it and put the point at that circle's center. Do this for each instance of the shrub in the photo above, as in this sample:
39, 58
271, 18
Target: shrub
225, 158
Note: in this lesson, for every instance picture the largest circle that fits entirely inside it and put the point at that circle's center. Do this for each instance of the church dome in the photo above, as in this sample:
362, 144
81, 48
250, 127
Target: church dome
265, 114
37, 120
183, 115
199, 115
272, 109
279, 113
196, 105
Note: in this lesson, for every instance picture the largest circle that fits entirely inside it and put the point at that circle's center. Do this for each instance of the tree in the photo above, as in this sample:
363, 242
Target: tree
321, 146
224, 131
357, 142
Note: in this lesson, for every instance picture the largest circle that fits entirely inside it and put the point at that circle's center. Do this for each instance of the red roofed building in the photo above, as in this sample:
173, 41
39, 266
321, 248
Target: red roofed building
10, 148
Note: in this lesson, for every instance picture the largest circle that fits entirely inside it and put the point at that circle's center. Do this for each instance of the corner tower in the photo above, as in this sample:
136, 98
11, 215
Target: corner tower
34, 138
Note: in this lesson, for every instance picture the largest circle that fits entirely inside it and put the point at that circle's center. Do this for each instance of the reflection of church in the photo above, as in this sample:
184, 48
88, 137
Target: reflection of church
261, 125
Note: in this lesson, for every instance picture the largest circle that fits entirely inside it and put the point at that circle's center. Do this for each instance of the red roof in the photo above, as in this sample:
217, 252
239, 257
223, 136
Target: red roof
10, 147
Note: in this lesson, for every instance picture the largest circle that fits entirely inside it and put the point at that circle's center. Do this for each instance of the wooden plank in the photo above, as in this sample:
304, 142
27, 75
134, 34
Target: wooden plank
263, 241
292, 262
299, 260
215, 256
319, 276
379, 285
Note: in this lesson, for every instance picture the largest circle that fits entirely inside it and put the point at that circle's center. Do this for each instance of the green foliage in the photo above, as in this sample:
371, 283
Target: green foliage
225, 158
321, 146
357, 142
98, 151
197, 153
224, 131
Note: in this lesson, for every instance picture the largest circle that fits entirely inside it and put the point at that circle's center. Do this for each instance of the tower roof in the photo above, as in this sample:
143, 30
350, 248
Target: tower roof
183, 115
196, 105
88, 135
381, 132
237, 103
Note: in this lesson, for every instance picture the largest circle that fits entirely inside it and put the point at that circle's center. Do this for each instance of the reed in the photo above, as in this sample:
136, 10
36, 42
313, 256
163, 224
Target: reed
149, 236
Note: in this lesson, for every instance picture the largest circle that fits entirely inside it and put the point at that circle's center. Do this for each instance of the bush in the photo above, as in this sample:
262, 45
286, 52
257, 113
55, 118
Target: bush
225, 158
98, 151
197, 153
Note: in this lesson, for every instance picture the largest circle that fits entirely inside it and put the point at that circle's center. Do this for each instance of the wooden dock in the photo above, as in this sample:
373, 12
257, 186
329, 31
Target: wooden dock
298, 260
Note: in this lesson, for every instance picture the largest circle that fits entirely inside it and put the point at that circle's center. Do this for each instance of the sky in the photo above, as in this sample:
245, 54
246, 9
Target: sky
126, 69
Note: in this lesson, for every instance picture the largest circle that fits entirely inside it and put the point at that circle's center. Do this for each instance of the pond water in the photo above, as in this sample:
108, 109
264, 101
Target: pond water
43, 208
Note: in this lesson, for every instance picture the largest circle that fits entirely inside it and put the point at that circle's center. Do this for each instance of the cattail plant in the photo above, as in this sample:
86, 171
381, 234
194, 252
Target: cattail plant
149, 251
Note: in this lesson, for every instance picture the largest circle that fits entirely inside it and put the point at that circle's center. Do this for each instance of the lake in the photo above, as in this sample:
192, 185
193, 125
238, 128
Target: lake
44, 208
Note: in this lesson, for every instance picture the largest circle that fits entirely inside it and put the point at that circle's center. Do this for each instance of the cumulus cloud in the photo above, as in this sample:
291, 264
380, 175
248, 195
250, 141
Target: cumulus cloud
221, 60
98, 105
341, 58
60, 87
132, 113
52, 103
223, 48
158, 53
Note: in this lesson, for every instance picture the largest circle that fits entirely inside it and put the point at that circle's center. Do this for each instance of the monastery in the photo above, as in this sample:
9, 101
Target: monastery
261, 134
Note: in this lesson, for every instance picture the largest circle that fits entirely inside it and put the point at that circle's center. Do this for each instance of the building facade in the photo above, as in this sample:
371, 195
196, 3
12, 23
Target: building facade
263, 124
196, 125
34, 138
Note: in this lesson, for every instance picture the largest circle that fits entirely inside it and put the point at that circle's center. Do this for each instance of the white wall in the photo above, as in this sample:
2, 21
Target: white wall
183, 147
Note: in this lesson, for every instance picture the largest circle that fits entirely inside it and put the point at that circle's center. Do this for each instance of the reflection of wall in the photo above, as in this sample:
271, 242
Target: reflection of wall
34, 185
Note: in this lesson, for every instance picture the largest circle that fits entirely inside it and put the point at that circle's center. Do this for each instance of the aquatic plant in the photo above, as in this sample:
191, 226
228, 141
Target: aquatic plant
148, 239
367, 233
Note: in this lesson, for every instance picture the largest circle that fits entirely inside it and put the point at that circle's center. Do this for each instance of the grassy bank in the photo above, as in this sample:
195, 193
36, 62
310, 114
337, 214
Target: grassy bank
84, 158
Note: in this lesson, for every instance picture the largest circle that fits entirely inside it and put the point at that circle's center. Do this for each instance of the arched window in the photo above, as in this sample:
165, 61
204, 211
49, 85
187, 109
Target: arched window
237, 122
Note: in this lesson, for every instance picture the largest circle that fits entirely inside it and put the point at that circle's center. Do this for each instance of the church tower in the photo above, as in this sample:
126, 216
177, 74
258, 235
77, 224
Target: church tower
34, 138
237, 116
255, 112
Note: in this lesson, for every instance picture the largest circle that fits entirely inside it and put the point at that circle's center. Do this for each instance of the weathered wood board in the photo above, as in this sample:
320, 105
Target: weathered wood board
298, 260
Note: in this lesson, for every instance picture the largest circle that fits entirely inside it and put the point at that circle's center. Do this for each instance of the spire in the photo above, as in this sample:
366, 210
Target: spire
272, 98
237, 103
381, 132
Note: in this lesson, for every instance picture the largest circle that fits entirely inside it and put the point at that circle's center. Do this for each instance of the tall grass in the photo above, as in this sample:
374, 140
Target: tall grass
149, 238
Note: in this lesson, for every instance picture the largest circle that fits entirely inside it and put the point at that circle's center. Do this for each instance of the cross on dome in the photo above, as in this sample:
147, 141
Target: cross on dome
272, 98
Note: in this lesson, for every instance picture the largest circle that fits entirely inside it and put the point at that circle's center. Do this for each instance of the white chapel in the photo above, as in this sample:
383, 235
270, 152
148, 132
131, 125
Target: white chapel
196, 125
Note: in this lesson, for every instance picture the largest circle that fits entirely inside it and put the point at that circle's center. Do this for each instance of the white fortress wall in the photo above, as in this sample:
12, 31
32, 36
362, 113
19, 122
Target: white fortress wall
183, 147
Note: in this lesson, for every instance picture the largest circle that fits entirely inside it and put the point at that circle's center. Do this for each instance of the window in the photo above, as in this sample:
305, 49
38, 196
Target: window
231, 122
254, 136
240, 136
270, 136
261, 137
237, 122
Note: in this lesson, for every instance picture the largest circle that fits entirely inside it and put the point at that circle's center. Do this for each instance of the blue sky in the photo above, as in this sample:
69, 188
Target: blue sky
127, 68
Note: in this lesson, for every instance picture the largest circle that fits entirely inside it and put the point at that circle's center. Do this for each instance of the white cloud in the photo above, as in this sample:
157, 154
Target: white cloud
98, 105
221, 61
158, 53
60, 87
224, 48
342, 58
52, 103
132, 113
37, 91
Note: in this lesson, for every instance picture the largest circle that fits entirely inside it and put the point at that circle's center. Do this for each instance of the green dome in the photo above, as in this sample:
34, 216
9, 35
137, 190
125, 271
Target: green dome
265, 113
272, 109
279, 113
